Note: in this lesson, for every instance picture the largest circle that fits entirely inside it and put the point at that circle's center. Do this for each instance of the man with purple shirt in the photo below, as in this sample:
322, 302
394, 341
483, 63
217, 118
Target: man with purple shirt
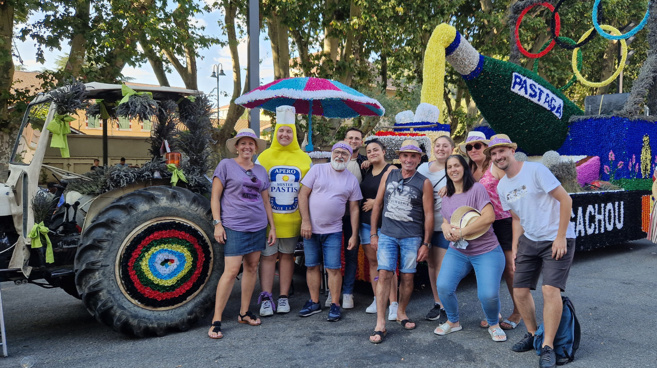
322, 202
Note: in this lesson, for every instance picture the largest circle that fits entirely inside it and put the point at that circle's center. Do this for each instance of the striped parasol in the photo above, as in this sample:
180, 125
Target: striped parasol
312, 96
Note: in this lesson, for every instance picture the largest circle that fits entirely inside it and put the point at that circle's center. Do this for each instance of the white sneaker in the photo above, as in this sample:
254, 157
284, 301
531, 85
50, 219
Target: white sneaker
347, 301
372, 308
392, 311
265, 309
328, 301
283, 306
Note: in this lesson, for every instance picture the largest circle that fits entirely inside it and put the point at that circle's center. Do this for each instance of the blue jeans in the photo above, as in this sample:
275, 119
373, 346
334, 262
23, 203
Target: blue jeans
350, 258
390, 248
488, 270
325, 246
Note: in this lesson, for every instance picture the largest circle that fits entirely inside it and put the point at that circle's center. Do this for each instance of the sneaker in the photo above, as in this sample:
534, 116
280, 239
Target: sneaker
266, 309
266, 302
334, 314
283, 305
347, 301
392, 311
547, 358
434, 313
526, 344
310, 308
372, 308
328, 301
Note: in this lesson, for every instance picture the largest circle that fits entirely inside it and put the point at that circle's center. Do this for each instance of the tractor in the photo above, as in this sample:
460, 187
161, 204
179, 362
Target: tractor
136, 249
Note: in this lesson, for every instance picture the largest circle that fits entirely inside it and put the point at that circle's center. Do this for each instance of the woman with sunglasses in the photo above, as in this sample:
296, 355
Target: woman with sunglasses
376, 152
489, 175
241, 212
435, 172
473, 246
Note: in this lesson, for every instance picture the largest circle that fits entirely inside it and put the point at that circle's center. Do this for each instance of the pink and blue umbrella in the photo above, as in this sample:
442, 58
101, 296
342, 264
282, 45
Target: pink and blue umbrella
312, 96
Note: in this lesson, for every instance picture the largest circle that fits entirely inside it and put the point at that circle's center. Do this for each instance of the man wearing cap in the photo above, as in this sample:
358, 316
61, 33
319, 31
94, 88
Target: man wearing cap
326, 190
543, 240
405, 202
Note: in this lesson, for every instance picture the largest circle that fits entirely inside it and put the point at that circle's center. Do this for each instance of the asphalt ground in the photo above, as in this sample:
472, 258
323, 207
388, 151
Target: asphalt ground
614, 291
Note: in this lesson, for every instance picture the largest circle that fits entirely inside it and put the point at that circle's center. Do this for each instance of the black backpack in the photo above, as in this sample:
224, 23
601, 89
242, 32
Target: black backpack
566, 342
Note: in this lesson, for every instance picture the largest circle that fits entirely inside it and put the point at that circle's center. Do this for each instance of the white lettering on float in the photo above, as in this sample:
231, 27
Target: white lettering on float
535, 93
598, 218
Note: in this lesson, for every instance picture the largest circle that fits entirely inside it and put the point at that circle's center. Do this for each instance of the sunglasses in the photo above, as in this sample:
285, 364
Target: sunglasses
469, 147
400, 187
253, 178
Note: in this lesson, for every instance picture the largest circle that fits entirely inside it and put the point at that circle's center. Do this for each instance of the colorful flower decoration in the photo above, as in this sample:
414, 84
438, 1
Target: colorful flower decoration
167, 263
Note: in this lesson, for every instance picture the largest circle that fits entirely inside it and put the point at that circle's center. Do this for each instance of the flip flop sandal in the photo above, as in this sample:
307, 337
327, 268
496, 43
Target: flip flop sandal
381, 335
252, 321
497, 334
446, 329
216, 328
508, 325
405, 322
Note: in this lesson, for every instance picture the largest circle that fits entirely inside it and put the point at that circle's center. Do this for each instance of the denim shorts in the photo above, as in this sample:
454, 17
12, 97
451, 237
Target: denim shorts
327, 246
438, 240
365, 233
390, 248
239, 243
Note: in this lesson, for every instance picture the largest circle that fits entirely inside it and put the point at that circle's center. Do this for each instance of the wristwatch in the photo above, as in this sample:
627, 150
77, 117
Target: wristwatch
427, 244
216, 222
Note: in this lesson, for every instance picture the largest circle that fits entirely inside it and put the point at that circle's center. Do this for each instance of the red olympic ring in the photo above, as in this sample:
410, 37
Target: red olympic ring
557, 30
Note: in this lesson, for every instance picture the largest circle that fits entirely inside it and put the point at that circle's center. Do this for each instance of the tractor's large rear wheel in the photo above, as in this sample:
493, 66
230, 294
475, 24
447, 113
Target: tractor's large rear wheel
148, 263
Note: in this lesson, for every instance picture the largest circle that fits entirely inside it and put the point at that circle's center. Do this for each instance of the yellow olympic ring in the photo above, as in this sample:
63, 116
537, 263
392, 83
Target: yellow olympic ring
613, 77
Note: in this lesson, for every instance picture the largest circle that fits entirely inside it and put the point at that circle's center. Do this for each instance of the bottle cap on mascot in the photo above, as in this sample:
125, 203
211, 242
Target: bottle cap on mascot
285, 114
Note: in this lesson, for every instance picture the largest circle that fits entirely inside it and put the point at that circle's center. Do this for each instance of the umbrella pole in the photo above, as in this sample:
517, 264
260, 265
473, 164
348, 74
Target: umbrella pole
309, 146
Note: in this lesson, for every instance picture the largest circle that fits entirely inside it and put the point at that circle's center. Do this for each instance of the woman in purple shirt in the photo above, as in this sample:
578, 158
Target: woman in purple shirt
473, 246
241, 211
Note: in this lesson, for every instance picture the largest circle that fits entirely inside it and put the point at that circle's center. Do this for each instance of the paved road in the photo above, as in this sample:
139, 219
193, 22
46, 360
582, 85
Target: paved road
613, 289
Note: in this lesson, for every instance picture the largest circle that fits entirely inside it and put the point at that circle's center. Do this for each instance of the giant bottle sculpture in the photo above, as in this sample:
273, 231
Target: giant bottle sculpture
514, 100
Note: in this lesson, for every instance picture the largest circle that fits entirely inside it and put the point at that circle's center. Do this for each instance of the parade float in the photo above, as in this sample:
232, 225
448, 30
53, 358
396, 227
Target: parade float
612, 154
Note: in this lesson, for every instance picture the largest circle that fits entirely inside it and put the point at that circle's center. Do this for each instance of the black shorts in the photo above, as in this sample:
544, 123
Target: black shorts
536, 256
504, 232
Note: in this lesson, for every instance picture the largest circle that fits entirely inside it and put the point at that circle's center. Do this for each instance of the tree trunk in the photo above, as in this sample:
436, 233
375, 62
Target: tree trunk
280, 47
384, 72
608, 66
234, 111
330, 41
187, 71
304, 57
6, 61
79, 40
347, 55
155, 60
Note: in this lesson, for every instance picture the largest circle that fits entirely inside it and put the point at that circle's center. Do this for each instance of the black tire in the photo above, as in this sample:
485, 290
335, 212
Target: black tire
66, 283
148, 264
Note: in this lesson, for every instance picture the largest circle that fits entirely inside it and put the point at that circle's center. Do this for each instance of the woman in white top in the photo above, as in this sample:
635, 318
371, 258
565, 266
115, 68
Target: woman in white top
435, 172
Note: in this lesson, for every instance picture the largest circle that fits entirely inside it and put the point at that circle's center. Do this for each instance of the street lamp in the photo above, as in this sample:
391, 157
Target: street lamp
218, 71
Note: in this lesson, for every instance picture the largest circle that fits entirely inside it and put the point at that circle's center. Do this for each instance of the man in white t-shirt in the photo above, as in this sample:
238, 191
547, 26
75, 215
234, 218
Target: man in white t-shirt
543, 240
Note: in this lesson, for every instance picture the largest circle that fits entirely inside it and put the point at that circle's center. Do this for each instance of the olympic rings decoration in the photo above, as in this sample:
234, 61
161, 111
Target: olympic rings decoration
573, 79
629, 34
555, 36
556, 30
616, 73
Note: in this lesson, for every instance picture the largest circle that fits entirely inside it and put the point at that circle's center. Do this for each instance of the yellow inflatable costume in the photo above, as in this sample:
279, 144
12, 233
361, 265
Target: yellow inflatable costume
286, 166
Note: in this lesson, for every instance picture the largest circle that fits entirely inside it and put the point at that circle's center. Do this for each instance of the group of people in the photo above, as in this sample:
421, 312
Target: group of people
492, 214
